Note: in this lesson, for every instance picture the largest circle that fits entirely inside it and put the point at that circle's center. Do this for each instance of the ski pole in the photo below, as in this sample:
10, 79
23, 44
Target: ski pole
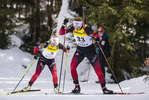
87, 73
110, 67
84, 9
65, 71
62, 61
24, 74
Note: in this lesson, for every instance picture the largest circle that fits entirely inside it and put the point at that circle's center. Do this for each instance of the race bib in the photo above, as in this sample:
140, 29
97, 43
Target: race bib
49, 55
82, 39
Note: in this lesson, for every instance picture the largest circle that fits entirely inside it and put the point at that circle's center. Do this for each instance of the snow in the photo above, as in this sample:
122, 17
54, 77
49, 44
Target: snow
12, 70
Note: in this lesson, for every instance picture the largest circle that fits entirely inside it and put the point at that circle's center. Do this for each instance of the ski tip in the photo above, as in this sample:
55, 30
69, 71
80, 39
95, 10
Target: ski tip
5, 94
21, 91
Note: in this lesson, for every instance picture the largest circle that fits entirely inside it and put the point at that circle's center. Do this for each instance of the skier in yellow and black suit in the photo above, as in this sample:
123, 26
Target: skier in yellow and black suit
85, 48
49, 50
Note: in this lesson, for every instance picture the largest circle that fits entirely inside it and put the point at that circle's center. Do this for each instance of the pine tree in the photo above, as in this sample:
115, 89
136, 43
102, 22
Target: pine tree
7, 22
41, 22
40, 15
126, 21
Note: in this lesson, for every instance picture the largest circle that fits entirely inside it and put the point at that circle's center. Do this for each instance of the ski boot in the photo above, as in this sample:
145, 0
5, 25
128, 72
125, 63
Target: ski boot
106, 91
97, 82
77, 89
56, 89
27, 88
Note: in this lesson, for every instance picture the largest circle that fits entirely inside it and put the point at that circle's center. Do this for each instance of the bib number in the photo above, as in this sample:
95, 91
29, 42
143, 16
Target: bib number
80, 39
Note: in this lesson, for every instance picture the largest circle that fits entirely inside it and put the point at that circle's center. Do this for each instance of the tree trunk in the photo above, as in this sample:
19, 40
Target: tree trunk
37, 21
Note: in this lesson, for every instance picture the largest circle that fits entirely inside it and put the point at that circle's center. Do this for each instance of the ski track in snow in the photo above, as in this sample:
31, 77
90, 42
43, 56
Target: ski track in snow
90, 90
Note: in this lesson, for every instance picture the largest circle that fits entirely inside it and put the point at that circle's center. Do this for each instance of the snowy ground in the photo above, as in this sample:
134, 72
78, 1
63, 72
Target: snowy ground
92, 89
12, 71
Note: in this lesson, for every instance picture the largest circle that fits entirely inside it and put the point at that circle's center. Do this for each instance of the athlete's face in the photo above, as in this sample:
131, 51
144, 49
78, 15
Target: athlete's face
53, 44
54, 41
77, 28
100, 31
77, 25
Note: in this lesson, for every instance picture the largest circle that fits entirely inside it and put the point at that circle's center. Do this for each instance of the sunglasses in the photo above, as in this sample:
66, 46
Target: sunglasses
100, 31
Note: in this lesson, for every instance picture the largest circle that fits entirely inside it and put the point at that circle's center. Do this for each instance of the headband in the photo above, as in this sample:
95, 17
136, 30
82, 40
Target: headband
77, 23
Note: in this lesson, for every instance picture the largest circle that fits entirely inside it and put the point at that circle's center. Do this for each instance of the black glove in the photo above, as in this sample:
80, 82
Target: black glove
65, 21
35, 57
68, 48
97, 39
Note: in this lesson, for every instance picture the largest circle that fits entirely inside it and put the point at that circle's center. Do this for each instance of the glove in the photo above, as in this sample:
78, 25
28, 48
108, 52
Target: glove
68, 48
65, 21
35, 57
97, 35
96, 38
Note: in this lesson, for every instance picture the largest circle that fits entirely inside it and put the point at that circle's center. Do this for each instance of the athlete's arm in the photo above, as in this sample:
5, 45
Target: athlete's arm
62, 47
91, 32
62, 30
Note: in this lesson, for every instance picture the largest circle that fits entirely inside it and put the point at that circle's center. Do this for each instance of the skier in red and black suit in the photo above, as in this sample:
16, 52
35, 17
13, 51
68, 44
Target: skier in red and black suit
49, 50
85, 48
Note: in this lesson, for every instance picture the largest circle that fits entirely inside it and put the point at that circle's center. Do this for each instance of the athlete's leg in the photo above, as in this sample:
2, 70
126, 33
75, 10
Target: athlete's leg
77, 58
96, 65
39, 68
53, 69
102, 64
93, 58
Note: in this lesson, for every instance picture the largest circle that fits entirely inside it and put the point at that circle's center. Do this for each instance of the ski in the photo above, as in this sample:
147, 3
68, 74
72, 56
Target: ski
129, 93
116, 93
70, 93
21, 91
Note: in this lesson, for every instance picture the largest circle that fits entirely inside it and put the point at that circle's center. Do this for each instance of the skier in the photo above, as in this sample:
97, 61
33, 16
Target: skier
49, 50
104, 43
85, 48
